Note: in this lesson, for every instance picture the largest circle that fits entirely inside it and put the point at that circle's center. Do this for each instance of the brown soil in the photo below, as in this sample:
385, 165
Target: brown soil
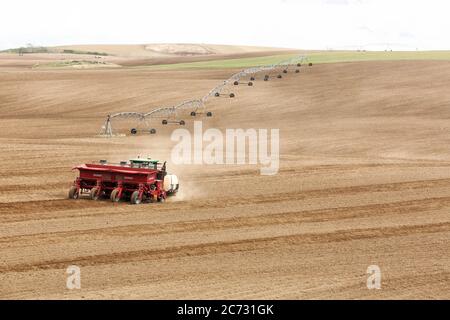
363, 181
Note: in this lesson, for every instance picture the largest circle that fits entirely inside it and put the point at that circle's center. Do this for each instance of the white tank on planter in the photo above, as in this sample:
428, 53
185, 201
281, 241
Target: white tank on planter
171, 183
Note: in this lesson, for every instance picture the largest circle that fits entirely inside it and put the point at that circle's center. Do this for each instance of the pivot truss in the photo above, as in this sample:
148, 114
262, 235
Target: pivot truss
170, 115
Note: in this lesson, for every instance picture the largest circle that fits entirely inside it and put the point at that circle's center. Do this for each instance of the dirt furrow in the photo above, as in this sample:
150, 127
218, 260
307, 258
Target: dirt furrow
231, 246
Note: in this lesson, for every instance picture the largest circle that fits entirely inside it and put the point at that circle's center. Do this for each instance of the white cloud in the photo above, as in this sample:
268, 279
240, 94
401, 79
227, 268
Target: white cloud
309, 24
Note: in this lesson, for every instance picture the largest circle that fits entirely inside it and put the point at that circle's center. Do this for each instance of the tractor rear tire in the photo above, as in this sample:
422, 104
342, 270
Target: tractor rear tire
114, 195
135, 198
95, 194
74, 193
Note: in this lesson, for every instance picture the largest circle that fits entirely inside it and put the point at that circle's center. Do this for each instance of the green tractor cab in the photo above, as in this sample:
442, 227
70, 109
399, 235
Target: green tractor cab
144, 163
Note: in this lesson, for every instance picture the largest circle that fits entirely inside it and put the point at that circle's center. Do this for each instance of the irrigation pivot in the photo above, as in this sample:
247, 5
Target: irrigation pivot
197, 107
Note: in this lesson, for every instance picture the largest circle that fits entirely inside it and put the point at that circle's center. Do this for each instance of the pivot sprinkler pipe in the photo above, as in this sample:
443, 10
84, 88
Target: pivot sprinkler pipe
198, 106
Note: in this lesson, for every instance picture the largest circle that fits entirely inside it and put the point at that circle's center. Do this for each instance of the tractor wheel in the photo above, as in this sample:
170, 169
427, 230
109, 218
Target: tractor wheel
236, 83
133, 131
182, 123
232, 95
114, 195
209, 114
193, 114
95, 193
250, 84
74, 193
152, 131
135, 197
164, 122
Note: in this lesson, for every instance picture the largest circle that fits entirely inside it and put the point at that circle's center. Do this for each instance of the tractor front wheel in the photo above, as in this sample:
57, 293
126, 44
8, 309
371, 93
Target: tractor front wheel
135, 197
74, 193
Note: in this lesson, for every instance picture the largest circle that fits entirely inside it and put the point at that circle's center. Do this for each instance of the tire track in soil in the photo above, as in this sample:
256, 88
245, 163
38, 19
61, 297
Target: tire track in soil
229, 246
27, 210
283, 218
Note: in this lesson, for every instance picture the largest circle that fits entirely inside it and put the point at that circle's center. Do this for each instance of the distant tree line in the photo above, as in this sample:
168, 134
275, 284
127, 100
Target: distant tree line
94, 53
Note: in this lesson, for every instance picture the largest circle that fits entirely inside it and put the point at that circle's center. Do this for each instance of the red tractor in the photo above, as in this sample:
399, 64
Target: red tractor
137, 180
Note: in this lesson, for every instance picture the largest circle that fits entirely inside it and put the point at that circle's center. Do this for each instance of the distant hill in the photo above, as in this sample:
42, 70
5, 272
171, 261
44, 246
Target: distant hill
164, 50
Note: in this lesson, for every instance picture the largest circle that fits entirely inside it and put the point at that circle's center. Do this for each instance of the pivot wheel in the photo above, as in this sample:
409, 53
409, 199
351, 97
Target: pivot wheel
164, 122
250, 84
193, 114
95, 193
135, 198
152, 131
182, 123
279, 76
74, 193
209, 114
232, 95
115, 195
236, 83
133, 131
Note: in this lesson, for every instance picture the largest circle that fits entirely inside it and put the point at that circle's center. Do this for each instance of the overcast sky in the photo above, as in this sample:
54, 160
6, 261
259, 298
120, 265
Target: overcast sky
308, 24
